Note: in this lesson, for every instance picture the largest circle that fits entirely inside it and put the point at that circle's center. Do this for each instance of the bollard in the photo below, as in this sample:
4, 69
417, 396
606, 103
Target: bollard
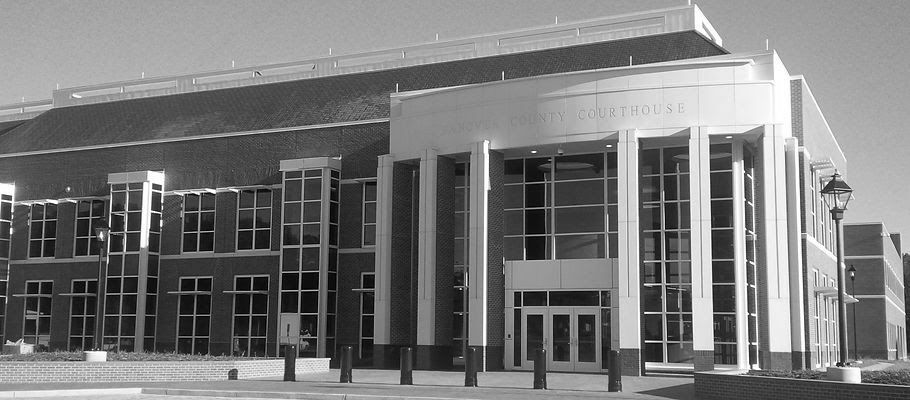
540, 369
407, 366
346, 363
470, 367
615, 372
290, 363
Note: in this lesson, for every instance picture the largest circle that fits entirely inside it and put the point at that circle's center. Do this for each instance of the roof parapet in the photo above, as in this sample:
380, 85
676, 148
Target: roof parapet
646, 23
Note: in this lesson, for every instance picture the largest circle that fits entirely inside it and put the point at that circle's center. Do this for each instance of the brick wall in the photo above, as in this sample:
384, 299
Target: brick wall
445, 249
495, 278
152, 371
403, 293
723, 386
207, 163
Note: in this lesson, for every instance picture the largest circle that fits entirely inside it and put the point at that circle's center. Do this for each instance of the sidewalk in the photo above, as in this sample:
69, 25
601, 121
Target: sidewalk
383, 384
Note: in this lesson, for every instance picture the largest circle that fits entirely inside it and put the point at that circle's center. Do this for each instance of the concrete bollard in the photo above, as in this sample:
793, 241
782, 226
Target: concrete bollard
407, 366
615, 372
347, 361
290, 363
470, 367
540, 369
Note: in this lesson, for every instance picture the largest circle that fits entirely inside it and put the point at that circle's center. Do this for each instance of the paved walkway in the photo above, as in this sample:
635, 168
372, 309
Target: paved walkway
376, 385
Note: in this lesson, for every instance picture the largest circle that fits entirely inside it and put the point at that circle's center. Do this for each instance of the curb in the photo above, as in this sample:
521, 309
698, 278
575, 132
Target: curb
24, 394
282, 395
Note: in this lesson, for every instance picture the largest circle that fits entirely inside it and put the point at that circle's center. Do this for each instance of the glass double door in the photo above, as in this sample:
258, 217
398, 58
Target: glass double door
570, 335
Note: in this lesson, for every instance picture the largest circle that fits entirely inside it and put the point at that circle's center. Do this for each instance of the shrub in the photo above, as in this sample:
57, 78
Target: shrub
799, 374
118, 356
897, 377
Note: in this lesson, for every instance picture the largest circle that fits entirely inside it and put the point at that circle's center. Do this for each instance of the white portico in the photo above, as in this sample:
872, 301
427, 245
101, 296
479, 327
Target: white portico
672, 152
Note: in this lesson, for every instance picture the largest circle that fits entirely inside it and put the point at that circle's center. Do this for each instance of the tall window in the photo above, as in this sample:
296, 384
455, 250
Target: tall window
251, 307
460, 286
309, 249
194, 315
6, 216
666, 258
88, 215
751, 269
254, 219
369, 213
43, 230
82, 314
198, 222
555, 208
367, 313
818, 323
722, 254
37, 327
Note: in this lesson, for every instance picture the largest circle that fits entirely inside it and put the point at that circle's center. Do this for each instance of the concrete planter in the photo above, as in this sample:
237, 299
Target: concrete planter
95, 356
844, 374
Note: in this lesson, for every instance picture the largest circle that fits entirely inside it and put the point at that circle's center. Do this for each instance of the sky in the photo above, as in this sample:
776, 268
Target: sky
853, 54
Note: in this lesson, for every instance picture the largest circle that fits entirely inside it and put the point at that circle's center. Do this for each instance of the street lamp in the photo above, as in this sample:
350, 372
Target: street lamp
837, 194
852, 272
102, 231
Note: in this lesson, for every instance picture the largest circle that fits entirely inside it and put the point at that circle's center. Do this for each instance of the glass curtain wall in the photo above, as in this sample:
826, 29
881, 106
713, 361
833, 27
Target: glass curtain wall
131, 286
555, 207
309, 256
460, 281
751, 271
6, 216
666, 259
723, 255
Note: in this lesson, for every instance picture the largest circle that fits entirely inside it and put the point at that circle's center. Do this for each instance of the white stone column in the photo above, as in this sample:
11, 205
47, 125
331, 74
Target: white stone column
794, 211
383, 291
426, 250
629, 259
739, 259
700, 212
477, 247
774, 220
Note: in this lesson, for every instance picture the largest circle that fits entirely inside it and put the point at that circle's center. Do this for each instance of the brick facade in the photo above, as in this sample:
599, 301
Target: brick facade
723, 386
152, 371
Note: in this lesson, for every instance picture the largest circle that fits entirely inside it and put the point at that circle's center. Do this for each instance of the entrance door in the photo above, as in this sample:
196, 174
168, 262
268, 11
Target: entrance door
570, 335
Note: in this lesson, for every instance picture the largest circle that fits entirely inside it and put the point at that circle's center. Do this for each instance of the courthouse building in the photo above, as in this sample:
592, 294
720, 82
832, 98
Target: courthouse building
618, 183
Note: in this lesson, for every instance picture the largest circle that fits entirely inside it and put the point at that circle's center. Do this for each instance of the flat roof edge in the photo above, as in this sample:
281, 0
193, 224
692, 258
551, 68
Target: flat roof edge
595, 30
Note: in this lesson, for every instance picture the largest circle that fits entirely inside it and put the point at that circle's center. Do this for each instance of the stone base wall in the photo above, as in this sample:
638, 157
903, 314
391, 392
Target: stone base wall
731, 385
151, 371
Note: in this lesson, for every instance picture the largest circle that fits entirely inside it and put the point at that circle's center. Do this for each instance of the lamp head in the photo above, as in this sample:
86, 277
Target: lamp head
102, 231
837, 193
852, 272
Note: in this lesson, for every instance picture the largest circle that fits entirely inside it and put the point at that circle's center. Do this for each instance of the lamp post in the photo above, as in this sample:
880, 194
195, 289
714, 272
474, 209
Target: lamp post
102, 232
837, 194
852, 272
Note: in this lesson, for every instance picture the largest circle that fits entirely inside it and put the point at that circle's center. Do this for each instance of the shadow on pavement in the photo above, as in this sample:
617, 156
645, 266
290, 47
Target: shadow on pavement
678, 392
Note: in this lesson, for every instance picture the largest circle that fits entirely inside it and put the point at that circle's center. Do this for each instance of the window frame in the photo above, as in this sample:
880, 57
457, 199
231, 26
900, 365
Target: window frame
363, 213
252, 291
196, 294
93, 220
198, 231
45, 241
255, 209
38, 316
364, 290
